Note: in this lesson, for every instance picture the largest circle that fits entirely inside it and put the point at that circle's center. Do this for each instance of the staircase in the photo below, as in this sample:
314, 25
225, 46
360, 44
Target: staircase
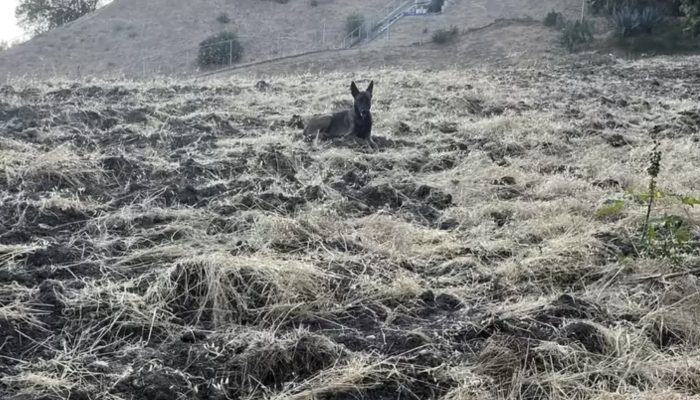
384, 19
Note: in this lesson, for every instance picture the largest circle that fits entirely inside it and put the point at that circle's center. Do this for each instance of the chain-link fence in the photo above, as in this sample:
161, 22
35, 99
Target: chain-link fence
375, 26
267, 47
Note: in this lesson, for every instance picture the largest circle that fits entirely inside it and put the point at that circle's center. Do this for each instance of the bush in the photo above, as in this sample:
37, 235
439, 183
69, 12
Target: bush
553, 18
221, 49
604, 7
675, 7
630, 21
444, 36
691, 16
667, 39
577, 34
353, 24
608, 7
436, 6
223, 18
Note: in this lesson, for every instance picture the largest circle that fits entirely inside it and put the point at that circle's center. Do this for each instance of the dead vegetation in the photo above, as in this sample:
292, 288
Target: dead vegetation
176, 240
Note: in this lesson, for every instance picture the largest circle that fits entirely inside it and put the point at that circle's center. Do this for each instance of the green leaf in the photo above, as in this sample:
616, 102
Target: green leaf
690, 201
651, 233
610, 209
683, 236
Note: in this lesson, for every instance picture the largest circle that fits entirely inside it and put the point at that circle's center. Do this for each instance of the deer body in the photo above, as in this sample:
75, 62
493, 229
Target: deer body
356, 121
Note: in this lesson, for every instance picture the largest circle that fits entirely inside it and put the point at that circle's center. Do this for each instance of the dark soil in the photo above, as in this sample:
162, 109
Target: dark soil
114, 244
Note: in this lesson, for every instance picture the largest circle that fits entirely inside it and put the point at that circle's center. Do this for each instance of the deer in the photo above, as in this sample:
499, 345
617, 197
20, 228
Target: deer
355, 122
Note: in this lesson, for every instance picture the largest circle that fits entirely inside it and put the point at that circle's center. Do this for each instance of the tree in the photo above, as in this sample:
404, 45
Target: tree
43, 15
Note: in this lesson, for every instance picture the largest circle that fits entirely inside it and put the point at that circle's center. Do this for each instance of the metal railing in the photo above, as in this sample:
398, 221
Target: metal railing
374, 23
381, 21
283, 46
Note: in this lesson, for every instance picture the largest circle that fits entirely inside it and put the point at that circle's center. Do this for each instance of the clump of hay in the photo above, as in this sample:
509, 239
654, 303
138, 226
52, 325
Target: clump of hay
222, 288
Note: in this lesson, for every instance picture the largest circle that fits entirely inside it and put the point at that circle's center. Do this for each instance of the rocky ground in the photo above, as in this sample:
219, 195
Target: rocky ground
178, 240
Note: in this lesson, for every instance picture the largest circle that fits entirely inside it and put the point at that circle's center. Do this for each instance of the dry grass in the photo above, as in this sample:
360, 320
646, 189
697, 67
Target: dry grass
179, 241
162, 37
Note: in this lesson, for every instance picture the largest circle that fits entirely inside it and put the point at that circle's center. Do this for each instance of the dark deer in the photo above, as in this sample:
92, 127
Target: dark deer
356, 122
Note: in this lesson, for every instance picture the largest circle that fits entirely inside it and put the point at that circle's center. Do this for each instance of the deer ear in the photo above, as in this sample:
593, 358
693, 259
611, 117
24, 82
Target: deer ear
354, 90
370, 88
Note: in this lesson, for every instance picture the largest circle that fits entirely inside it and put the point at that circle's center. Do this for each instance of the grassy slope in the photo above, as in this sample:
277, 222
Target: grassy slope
166, 33
473, 14
133, 37
504, 44
176, 240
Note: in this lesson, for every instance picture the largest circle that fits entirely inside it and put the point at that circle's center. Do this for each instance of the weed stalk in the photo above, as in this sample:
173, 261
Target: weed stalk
653, 171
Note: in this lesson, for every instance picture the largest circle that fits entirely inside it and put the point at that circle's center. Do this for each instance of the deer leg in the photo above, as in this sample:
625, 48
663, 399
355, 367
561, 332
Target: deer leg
372, 143
317, 137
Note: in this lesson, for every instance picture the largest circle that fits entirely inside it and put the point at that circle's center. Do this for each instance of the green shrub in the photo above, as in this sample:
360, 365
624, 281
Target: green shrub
674, 9
669, 38
436, 6
444, 36
630, 21
354, 23
221, 49
223, 18
577, 34
605, 7
608, 7
691, 16
668, 236
553, 18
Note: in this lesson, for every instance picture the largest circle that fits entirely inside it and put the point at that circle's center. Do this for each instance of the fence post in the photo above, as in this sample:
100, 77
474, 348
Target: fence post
230, 53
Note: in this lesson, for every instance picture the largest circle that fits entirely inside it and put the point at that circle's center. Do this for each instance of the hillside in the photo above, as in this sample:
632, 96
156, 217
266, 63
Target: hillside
128, 36
177, 240
472, 14
138, 38
504, 43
